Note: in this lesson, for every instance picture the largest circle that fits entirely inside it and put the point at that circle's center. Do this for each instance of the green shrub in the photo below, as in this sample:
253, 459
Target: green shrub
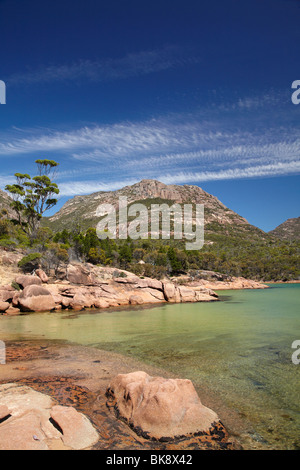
30, 262
7, 243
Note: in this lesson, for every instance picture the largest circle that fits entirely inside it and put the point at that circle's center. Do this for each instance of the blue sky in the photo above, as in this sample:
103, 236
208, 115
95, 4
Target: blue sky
186, 92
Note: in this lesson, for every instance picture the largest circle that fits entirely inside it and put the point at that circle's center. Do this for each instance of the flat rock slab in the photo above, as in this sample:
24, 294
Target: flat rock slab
23, 433
4, 412
77, 430
32, 421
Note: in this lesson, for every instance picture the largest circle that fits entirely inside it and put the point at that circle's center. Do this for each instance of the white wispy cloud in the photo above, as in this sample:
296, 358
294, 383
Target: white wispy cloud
276, 169
237, 154
184, 177
102, 70
268, 99
179, 148
94, 143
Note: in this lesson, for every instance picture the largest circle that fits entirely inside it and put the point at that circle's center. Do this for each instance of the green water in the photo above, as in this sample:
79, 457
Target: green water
239, 348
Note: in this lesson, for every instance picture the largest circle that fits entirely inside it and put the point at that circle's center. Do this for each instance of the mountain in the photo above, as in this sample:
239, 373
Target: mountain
288, 230
81, 210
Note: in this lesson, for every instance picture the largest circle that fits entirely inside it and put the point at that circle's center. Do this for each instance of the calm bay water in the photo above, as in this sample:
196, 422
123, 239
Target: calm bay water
239, 348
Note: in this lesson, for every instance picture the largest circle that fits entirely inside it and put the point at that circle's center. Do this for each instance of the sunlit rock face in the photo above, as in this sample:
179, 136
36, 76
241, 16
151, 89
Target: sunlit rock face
159, 408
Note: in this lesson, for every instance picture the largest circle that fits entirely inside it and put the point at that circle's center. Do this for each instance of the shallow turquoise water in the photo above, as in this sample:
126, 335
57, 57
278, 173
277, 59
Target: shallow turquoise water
240, 348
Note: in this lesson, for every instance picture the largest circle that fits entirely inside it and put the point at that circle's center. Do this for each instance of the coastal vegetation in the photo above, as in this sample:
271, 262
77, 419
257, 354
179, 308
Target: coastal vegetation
234, 248
259, 259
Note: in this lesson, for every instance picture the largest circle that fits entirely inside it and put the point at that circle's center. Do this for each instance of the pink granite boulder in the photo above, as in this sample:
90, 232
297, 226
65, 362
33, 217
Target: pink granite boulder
36, 299
160, 408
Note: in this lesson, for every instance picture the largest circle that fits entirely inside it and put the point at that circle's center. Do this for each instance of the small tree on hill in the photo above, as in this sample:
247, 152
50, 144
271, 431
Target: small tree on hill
32, 197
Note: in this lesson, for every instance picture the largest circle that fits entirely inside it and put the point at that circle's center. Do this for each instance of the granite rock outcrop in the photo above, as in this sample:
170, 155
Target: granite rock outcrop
88, 286
30, 420
160, 409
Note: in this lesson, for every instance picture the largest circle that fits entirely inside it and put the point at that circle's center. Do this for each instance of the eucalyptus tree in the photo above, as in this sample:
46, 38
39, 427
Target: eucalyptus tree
32, 197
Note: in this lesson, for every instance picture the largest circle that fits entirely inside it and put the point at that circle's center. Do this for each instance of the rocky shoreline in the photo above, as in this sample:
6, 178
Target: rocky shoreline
237, 283
79, 286
87, 286
218, 281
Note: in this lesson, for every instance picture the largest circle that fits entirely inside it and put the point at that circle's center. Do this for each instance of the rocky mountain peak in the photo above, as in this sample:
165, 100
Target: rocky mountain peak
83, 209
